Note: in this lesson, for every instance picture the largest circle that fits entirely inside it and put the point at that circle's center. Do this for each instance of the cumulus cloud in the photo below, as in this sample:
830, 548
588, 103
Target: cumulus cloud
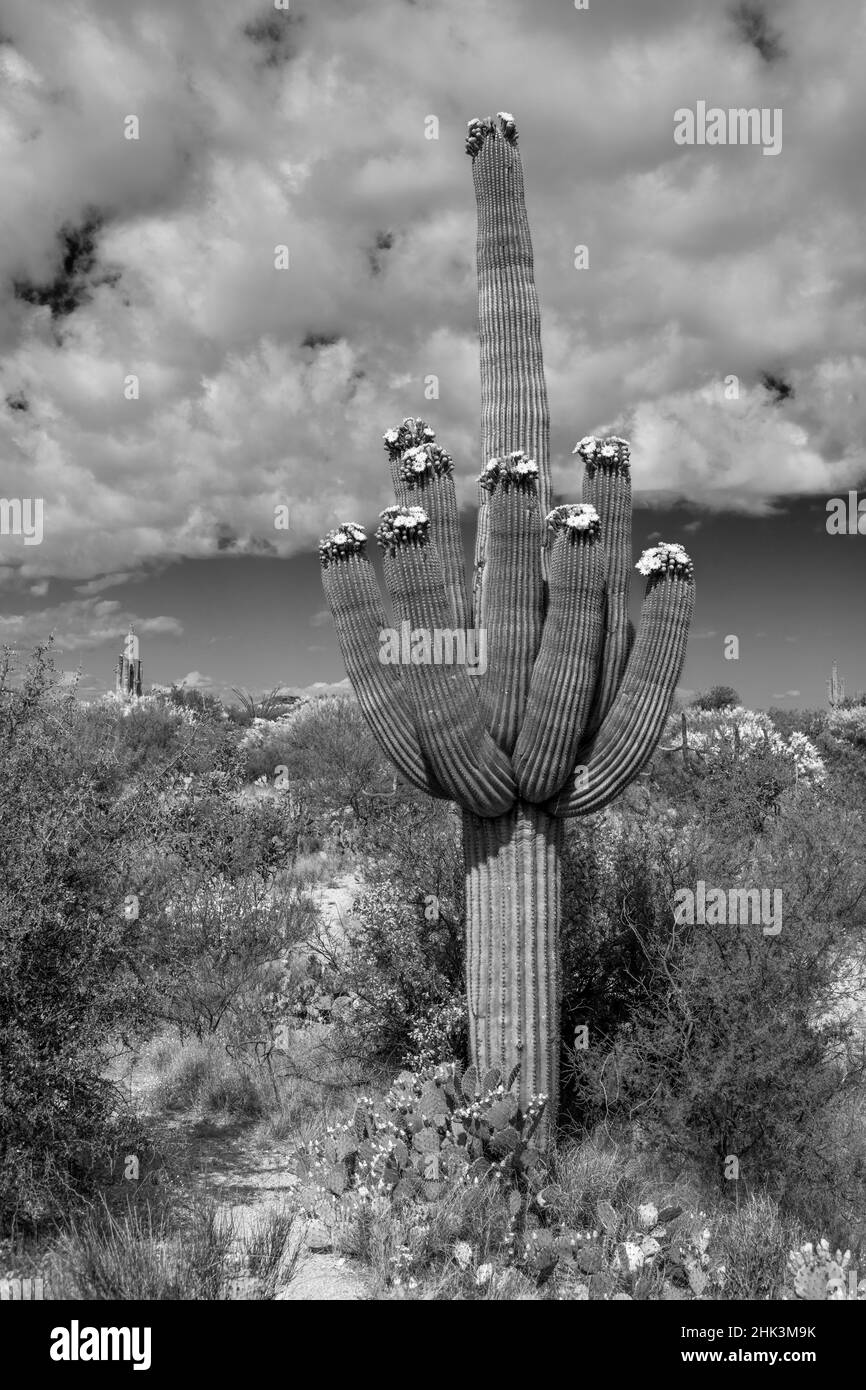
195, 680
81, 623
166, 389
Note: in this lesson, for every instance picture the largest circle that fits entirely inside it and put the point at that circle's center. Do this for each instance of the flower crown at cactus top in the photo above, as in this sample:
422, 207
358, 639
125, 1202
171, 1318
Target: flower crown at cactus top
347, 539
409, 435
424, 459
610, 452
576, 519
511, 468
477, 130
400, 525
667, 555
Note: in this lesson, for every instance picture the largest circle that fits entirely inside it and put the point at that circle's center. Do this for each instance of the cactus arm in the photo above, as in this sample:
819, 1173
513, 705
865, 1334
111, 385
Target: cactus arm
564, 675
457, 747
423, 475
352, 594
607, 487
630, 733
514, 410
515, 593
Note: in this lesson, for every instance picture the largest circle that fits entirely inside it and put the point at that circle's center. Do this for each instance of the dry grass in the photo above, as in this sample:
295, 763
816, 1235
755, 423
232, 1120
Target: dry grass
167, 1253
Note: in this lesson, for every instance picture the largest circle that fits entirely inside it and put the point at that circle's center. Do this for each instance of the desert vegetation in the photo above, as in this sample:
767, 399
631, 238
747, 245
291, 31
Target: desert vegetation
163, 922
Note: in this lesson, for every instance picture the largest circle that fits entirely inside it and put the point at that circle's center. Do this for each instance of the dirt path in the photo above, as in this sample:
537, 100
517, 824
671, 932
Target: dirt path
334, 903
247, 1180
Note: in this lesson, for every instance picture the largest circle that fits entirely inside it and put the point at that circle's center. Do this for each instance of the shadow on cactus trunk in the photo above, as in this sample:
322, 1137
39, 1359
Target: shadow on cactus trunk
572, 703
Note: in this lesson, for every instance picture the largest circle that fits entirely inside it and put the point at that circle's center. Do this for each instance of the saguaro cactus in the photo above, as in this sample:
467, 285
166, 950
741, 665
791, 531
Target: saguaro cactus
572, 704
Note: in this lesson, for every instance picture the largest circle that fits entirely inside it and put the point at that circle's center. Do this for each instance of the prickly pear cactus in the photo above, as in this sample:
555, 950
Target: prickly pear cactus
434, 1126
817, 1273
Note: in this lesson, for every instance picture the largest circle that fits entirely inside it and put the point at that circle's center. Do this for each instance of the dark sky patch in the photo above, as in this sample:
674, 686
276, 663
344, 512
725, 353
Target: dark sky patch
76, 274
318, 340
384, 242
277, 35
754, 28
777, 387
228, 542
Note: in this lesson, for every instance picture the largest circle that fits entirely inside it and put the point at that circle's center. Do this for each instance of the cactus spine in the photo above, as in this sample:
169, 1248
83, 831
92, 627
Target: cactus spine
573, 703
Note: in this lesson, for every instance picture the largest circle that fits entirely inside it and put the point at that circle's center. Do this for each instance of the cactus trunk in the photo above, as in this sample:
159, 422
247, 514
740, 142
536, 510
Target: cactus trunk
513, 892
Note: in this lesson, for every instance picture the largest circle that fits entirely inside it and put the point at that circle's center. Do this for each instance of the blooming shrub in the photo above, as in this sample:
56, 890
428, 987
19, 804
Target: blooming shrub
263, 731
849, 724
712, 733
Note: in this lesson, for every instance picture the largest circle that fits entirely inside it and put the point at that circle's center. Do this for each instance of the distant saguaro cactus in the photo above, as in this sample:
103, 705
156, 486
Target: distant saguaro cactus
835, 688
571, 704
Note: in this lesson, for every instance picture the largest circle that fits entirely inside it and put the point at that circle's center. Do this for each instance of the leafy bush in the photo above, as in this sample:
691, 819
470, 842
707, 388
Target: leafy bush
849, 723
716, 698
399, 987
726, 1042
68, 948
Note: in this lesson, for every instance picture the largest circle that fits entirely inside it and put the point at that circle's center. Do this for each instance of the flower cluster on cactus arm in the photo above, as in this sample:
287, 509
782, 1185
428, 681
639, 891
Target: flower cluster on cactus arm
400, 525
344, 540
609, 452
577, 519
509, 470
409, 435
667, 555
424, 459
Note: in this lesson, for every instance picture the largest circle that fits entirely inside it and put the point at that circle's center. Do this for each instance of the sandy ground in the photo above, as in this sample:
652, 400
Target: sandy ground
247, 1180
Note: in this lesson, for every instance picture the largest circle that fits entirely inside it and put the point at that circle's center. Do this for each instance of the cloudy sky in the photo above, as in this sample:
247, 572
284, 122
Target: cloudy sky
153, 259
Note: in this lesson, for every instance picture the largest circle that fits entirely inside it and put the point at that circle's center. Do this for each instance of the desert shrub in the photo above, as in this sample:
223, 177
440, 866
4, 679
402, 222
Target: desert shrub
398, 979
201, 1076
68, 947
737, 795
201, 702
849, 724
325, 767
737, 734
736, 1043
716, 698
330, 757
811, 722
618, 871
394, 983
223, 917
